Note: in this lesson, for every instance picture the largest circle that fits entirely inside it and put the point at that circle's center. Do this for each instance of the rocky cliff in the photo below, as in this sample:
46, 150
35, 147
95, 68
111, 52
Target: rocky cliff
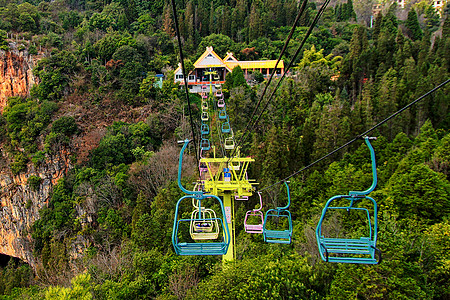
19, 203
16, 77
19, 206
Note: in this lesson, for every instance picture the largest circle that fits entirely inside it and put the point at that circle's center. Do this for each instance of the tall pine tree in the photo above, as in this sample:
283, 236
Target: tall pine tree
412, 23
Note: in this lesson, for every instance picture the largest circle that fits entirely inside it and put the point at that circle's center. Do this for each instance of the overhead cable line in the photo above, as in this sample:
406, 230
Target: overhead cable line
183, 71
300, 13
362, 134
308, 33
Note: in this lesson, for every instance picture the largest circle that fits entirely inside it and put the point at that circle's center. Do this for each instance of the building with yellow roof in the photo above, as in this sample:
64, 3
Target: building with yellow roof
211, 69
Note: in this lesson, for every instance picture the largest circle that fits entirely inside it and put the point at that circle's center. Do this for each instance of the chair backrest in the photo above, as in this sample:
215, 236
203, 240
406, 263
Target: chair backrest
374, 170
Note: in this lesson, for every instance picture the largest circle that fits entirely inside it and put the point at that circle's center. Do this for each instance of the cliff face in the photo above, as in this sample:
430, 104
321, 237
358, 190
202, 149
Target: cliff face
19, 206
16, 77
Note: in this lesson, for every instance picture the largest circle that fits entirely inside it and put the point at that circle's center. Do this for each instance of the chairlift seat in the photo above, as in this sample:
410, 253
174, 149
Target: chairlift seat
205, 116
201, 248
254, 228
203, 168
197, 248
364, 246
205, 144
204, 105
222, 114
351, 250
229, 143
221, 102
204, 228
204, 129
253, 214
282, 236
236, 165
226, 127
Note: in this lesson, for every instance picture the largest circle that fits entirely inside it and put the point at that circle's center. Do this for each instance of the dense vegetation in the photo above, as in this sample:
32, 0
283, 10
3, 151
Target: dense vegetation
119, 202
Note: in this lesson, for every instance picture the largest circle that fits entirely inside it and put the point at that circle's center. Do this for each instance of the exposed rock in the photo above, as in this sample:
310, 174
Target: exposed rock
16, 76
20, 205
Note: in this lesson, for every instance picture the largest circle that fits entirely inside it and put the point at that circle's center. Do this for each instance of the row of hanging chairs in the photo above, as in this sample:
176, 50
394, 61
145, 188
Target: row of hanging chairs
209, 235
360, 250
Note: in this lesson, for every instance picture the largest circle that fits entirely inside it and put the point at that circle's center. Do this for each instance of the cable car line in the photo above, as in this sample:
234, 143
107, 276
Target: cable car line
361, 135
183, 71
300, 13
308, 33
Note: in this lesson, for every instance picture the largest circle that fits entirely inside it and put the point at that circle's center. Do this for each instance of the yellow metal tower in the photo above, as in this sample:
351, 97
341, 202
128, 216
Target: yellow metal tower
227, 178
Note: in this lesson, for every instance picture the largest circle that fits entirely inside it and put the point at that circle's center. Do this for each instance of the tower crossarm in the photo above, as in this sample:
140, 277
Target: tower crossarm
228, 176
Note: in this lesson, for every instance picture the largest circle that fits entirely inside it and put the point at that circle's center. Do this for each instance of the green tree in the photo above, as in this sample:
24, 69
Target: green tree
238, 77
65, 125
446, 28
412, 192
412, 23
220, 43
55, 73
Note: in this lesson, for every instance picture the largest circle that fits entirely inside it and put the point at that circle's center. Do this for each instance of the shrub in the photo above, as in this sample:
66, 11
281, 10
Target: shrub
38, 158
19, 164
34, 182
65, 125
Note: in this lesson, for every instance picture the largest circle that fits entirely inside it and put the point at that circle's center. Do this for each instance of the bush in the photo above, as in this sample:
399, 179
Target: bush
65, 125
19, 164
38, 158
32, 50
34, 182
25, 120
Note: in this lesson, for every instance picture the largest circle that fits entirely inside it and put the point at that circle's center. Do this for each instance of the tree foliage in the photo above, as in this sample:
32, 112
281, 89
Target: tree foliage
119, 203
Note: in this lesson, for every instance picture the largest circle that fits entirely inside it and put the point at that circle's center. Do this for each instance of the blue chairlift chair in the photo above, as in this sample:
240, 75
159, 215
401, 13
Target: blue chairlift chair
283, 235
226, 128
361, 250
189, 246
204, 129
223, 114
205, 144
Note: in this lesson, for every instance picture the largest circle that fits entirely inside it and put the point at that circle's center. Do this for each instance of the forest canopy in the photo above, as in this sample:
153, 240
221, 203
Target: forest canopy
355, 70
